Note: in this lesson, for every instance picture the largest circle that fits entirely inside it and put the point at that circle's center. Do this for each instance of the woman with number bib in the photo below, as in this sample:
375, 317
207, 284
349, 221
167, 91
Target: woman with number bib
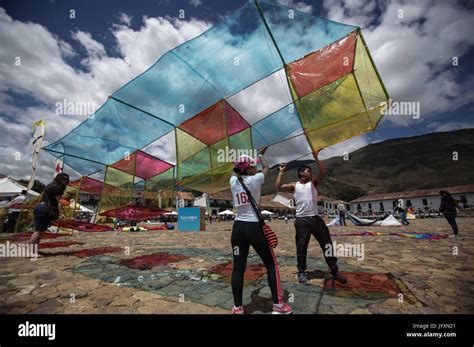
247, 231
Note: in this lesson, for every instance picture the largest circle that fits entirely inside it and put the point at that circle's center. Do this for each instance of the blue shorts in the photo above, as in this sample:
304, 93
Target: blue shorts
42, 218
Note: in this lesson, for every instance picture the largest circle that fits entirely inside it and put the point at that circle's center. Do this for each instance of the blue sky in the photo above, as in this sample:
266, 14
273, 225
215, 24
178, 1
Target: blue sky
96, 17
82, 59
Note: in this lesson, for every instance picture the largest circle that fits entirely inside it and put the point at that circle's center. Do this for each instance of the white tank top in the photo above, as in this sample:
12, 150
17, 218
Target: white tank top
306, 199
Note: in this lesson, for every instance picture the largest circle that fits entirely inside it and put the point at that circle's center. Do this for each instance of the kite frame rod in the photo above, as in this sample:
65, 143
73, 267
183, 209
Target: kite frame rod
269, 31
139, 109
290, 88
373, 63
75, 156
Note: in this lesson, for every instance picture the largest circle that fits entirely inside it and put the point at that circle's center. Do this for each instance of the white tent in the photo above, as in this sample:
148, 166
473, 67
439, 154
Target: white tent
266, 212
226, 212
9, 187
172, 213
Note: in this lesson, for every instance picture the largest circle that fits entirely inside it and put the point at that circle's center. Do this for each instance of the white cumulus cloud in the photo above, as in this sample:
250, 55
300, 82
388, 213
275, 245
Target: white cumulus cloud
34, 63
413, 45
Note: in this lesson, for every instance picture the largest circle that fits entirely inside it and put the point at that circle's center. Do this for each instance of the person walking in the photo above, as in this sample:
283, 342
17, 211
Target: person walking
449, 210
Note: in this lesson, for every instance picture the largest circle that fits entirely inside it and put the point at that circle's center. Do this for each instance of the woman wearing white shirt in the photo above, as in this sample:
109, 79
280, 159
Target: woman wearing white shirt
247, 231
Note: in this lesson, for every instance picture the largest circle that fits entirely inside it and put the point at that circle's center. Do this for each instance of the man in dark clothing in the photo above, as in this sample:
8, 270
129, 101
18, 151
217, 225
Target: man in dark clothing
448, 208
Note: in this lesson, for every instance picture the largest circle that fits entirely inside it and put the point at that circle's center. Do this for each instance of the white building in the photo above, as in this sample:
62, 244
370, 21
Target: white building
426, 199
329, 205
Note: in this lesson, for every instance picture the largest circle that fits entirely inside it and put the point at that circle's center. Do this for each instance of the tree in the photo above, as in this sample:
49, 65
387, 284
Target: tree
37, 185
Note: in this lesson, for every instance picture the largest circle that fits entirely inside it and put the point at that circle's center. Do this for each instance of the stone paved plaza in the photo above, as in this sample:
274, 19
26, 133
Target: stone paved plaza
172, 272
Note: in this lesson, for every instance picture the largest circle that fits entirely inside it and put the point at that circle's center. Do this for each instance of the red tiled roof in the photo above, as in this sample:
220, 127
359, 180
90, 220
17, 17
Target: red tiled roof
224, 195
185, 195
325, 198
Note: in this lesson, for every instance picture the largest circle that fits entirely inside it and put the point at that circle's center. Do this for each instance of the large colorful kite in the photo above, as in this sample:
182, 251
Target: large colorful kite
199, 98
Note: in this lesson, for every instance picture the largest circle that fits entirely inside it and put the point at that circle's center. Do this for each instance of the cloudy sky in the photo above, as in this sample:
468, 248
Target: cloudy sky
84, 50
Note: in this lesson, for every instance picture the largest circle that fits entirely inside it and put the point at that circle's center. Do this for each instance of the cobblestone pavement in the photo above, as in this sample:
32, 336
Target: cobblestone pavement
188, 273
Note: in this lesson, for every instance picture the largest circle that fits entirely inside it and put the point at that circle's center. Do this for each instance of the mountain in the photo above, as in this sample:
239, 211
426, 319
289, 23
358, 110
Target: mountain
403, 164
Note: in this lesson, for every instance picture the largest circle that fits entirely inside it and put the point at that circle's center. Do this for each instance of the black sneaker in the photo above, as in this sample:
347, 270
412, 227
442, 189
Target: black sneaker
302, 278
339, 277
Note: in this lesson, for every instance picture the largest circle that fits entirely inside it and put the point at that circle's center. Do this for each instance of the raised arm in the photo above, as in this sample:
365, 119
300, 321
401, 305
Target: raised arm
278, 185
322, 170
265, 167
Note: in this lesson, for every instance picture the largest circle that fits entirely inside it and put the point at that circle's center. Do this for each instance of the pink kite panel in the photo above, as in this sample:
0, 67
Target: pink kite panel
235, 122
142, 164
88, 184
149, 166
208, 126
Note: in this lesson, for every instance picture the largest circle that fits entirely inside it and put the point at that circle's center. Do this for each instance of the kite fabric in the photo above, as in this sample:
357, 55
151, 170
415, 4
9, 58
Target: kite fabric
198, 100
134, 213
334, 222
81, 226
385, 221
409, 234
